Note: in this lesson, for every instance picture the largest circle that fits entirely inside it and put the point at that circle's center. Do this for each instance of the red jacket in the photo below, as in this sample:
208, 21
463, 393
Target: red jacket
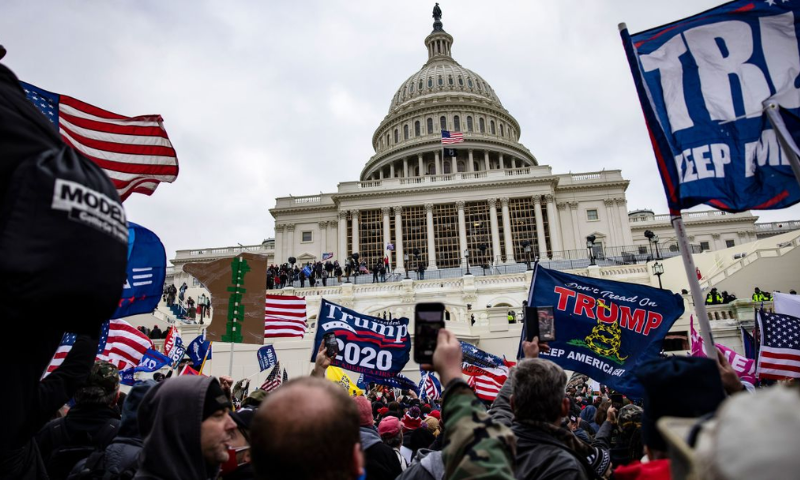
655, 470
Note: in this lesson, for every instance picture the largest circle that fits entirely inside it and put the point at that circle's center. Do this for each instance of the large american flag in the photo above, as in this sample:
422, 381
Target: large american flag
487, 386
284, 316
135, 152
274, 379
450, 138
429, 387
120, 343
779, 352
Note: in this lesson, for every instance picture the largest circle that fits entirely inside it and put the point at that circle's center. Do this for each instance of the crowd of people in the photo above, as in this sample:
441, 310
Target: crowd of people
714, 297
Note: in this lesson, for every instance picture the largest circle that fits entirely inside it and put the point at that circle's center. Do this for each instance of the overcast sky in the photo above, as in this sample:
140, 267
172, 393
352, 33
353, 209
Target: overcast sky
263, 99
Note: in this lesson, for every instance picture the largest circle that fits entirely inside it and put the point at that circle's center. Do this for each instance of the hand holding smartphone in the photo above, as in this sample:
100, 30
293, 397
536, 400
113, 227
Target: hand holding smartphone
331, 345
428, 320
540, 322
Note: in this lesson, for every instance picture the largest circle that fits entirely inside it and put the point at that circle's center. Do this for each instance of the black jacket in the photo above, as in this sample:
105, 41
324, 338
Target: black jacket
380, 461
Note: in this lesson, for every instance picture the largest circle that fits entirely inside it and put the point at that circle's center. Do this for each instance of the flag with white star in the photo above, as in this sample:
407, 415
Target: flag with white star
779, 352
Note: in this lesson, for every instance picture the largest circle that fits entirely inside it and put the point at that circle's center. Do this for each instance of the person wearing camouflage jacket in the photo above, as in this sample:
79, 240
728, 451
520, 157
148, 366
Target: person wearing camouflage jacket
475, 446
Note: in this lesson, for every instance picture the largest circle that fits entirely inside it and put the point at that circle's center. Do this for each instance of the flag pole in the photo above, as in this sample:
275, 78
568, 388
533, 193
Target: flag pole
787, 143
694, 287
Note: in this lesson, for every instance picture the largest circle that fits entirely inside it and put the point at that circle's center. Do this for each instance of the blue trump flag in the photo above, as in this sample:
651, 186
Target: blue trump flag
705, 84
147, 266
369, 345
603, 328
266, 357
150, 362
400, 381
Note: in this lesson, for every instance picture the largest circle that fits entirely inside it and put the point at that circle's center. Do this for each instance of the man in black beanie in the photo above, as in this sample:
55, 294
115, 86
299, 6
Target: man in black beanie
187, 429
676, 387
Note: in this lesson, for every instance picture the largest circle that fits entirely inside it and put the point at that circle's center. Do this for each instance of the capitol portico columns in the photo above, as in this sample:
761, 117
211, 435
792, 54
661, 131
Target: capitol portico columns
507, 231
356, 237
290, 229
462, 232
323, 230
431, 239
540, 234
405, 167
611, 216
495, 230
398, 242
421, 165
342, 253
555, 230
486, 160
387, 232
470, 166
436, 165
280, 241
576, 231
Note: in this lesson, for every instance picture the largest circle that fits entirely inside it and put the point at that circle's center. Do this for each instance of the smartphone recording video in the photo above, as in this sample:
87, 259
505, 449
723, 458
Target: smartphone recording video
331, 345
428, 320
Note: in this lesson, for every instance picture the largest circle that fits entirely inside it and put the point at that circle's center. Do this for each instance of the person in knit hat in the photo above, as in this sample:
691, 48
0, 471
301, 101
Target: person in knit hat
412, 420
380, 460
432, 424
391, 433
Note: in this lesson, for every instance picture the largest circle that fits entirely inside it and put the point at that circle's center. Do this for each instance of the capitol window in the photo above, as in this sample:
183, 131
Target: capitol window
411, 87
416, 128
447, 167
306, 237
491, 126
420, 85
405, 132
502, 132
430, 126
460, 166
430, 82
450, 80
479, 86
469, 82
482, 125
404, 92
457, 123
443, 123
591, 215
396, 136
460, 81
469, 124
441, 81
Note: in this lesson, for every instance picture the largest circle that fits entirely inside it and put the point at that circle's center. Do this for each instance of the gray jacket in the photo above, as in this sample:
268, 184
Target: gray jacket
428, 465
539, 455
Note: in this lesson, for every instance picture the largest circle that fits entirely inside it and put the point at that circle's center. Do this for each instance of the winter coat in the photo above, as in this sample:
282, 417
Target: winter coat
428, 465
169, 420
380, 460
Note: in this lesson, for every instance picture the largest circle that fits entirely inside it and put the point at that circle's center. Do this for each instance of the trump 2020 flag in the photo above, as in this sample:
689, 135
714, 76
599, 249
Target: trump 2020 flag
705, 84
604, 328
369, 345
147, 266
199, 351
266, 357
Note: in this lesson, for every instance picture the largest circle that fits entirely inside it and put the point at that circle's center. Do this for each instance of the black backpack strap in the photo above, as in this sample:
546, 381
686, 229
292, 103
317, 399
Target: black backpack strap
106, 434
58, 434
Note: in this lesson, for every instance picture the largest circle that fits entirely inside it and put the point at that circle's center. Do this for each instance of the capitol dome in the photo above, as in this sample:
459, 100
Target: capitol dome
443, 95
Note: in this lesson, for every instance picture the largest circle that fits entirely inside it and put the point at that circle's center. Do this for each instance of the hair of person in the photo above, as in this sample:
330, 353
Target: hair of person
602, 412
394, 407
394, 441
306, 429
538, 390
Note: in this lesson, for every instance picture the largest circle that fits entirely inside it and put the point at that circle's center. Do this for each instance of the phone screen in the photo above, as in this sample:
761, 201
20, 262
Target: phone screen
428, 320
547, 324
331, 345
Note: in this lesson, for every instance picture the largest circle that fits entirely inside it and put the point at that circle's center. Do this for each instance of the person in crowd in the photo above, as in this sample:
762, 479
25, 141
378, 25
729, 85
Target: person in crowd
120, 459
171, 293
432, 424
238, 466
411, 420
182, 292
254, 399
392, 435
324, 278
714, 297
376, 271
302, 276
91, 424
155, 333
626, 440
284, 278
190, 308
544, 449
187, 427
727, 297
337, 270
587, 415
511, 317
380, 461
421, 271
382, 272
759, 296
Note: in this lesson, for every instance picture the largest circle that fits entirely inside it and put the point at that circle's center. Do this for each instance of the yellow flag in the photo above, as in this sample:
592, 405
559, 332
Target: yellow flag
337, 375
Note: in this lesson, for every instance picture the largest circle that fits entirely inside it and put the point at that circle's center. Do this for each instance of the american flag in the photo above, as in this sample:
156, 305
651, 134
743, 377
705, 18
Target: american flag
120, 344
450, 138
487, 384
779, 355
274, 379
284, 316
135, 152
430, 388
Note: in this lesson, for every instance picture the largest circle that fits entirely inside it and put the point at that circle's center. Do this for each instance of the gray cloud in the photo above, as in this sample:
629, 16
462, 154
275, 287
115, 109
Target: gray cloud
267, 99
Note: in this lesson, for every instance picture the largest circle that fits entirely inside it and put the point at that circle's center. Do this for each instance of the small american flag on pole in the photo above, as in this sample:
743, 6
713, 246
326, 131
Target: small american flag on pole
120, 344
284, 316
450, 138
779, 355
274, 379
135, 152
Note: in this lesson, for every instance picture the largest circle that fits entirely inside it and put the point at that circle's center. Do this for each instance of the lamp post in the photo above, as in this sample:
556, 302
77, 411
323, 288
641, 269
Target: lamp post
590, 246
466, 258
482, 247
405, 257
649, 235
655, 242
658, 270
527, 250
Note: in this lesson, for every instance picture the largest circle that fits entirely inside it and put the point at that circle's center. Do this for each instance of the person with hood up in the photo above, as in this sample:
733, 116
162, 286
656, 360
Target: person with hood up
187, 429
238, 466
121, 456
380, 461
587, 415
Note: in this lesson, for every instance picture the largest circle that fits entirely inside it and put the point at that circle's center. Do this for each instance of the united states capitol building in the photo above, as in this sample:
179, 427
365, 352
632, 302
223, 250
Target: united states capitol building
476, 218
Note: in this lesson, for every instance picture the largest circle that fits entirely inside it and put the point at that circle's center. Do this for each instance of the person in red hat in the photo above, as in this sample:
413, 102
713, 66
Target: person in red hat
412, 420
391, 433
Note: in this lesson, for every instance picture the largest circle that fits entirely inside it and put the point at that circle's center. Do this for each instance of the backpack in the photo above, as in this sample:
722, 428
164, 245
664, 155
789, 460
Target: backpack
95, 468
69, 451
